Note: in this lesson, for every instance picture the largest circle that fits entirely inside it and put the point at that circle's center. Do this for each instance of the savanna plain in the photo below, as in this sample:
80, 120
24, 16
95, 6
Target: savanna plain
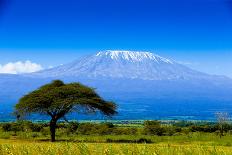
147, 138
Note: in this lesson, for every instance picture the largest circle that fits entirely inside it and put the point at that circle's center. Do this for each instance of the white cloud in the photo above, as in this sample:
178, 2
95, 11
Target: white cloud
20, 67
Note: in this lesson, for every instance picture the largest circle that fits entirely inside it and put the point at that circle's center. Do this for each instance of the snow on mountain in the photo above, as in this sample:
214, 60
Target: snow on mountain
133, 56
124, 64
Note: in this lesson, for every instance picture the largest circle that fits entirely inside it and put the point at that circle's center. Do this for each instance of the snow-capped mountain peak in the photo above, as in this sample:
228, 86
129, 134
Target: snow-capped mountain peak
124, 65
133, 56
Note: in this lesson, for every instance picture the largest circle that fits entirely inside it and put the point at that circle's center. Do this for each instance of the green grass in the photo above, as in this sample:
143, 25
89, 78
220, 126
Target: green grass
203, 138
22, 143
22, 147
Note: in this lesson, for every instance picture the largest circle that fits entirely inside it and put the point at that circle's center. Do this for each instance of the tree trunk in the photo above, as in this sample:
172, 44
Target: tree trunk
53, 129
221, 131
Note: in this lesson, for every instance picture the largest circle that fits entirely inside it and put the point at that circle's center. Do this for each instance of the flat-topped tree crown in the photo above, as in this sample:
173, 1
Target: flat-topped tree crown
57, 99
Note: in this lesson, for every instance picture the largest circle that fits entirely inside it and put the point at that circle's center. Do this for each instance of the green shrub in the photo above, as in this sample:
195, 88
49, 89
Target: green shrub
72, 127
153, 128
183, 124
45, 131
6, 127
171, 130
95, 129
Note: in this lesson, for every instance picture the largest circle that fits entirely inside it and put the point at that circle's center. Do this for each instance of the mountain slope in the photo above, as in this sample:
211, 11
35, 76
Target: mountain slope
127, 65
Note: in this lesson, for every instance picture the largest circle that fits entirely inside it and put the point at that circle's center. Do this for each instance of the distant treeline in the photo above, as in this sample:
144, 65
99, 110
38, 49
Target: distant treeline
148, 128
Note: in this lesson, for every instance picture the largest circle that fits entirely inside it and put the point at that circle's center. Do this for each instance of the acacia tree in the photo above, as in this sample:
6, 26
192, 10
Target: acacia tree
57, 99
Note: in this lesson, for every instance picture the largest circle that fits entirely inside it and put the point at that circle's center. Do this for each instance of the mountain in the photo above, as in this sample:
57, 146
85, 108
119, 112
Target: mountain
125, 65
143, 84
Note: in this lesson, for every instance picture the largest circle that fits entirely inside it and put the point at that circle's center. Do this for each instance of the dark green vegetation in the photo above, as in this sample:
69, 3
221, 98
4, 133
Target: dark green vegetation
149, 132
57, 99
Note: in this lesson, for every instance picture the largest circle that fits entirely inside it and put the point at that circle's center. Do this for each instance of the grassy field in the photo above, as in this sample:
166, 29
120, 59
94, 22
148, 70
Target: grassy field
22, 147
24, 139
197, 137
195, 144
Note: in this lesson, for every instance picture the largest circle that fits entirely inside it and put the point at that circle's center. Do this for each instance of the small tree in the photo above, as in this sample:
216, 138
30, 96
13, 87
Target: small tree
57, 99
222, 120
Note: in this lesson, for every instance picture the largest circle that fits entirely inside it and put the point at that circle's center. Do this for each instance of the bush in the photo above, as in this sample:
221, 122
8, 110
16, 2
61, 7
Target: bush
97, 129
36, 127
171, 130
45, 131
85, 128
6, 127
72, 127
153, 128
152, 123
203, 128
108, 124
125, 131
12, 127
141, 140
183, 124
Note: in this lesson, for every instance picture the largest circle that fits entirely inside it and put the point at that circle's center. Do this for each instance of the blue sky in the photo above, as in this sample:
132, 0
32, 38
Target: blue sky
197, 33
